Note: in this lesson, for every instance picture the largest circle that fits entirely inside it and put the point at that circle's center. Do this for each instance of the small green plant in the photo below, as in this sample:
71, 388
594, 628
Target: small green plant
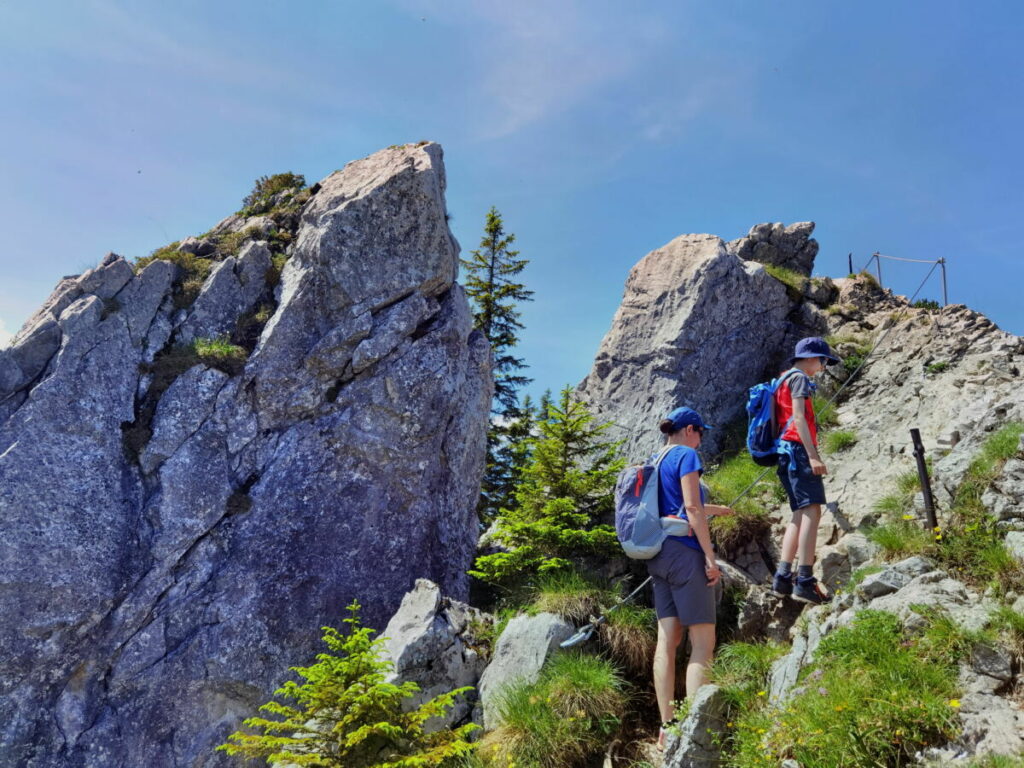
852, 362
564, 719
345, 714
874, 696
929, 304
860, 574
938, 367
725, 482
260, 199
866, 277
220, 353
839, 440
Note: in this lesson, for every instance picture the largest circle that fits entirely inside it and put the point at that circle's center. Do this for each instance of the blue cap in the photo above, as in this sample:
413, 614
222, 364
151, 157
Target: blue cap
814, 346
685, 417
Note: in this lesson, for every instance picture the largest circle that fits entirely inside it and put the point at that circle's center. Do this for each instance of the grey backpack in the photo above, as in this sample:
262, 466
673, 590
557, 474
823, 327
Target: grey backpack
640, 528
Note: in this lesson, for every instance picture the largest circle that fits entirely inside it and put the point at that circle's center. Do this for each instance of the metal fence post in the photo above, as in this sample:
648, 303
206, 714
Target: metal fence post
945, 296
878, 266
922, 474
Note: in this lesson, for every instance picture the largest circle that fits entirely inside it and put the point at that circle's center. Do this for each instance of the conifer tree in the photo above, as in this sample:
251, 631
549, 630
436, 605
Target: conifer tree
565, 492
346, 714
491, 283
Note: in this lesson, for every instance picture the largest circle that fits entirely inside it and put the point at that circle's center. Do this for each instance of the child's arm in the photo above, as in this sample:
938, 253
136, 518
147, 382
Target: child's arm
804, 430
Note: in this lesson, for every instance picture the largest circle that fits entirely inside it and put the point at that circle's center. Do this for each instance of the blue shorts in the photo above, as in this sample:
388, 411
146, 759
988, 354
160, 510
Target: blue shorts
803, 487
681, 588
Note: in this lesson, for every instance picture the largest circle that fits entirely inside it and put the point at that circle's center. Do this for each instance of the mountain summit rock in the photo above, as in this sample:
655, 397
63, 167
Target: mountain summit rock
178, 525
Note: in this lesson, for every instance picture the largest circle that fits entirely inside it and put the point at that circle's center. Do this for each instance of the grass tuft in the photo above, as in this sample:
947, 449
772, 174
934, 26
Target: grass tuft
563, 720
839, 440
795, 282
726, 482
875, 696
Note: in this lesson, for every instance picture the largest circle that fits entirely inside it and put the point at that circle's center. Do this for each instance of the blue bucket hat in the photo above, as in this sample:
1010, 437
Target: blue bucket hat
685, 417
814, 346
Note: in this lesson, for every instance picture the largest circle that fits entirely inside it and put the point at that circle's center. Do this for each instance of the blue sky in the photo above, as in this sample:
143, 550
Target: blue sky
601, 130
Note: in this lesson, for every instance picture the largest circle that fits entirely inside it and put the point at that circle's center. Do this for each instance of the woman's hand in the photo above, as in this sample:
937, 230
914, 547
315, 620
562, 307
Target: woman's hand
719, 511
712, 571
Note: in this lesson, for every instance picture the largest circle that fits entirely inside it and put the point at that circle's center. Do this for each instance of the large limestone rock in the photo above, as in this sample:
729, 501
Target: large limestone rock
697, 326
698, 741
431, 641
778, 245
173, 544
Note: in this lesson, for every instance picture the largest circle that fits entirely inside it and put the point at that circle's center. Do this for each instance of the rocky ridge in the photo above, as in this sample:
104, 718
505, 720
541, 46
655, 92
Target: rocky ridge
178, 520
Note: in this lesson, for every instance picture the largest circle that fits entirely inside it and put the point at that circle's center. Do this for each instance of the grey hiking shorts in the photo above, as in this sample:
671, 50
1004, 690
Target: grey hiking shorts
680, 585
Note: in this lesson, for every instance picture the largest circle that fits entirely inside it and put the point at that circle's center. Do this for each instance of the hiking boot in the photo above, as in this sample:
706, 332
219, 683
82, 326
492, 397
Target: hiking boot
782, 586
810, 592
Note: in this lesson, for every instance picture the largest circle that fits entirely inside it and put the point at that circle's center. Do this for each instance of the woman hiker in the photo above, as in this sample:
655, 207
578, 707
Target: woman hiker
684, 573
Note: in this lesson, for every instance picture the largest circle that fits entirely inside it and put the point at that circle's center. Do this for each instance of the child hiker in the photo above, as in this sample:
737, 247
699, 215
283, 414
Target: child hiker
801, 470
684, 572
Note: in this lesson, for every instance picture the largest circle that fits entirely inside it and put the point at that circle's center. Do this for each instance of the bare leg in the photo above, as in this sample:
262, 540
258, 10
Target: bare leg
670, 633
791, 537
702, 648
808, 533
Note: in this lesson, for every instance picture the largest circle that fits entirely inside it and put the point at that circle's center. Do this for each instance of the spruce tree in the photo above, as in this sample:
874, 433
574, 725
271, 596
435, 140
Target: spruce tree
491, 283
346, 714
564, 494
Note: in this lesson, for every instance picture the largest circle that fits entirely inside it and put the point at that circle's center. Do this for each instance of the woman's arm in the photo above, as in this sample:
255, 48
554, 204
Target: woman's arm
717, 509
699, 524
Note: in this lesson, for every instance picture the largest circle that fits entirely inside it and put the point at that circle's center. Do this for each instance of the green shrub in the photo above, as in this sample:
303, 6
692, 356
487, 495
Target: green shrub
839, 440
926, 304
852, 362
874, 697
260, 198
345, 714
564, 719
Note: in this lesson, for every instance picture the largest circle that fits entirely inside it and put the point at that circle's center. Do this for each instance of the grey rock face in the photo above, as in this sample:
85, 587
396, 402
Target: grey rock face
696, 742
151, 603
519, 654
776, 244
230, 291
697, 326
430, 641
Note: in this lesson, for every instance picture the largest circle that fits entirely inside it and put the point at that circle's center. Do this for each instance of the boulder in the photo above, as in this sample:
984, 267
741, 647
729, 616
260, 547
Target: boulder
698, 741
778, 245
697, 326
176, 535
519, 654
431, 642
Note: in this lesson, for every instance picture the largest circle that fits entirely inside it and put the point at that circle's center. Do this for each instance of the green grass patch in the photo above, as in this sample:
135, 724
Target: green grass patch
874, 697
725, 482
570, 594
795, 282
824, 412
970, 545
860, 574
192, 272
220, 353
839, 440
939, 367
630, 635
260, 199
565, 719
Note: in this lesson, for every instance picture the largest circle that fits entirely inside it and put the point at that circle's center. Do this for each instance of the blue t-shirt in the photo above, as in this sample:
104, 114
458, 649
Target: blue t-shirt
681, 460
